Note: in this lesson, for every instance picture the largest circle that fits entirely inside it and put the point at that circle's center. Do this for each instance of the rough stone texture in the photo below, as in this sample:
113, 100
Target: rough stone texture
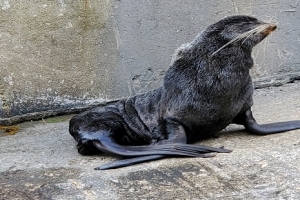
41, 162
59, 56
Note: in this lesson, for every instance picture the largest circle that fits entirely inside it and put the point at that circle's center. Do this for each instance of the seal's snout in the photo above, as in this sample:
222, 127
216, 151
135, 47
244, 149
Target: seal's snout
272, 27
269, 29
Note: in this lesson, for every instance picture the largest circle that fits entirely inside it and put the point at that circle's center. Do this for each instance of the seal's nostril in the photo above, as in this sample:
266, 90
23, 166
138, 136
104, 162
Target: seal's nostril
273, 27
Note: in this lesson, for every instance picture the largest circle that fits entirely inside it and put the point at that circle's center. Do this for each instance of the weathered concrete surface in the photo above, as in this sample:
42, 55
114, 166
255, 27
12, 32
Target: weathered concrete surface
58, 56
50, 55
41, 162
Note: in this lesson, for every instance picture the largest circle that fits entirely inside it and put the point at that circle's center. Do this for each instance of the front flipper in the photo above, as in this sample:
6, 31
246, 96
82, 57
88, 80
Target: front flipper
175, 145
250, 124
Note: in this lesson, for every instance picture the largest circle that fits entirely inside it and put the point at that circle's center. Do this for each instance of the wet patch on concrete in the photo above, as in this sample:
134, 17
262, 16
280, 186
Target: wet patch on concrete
38, 184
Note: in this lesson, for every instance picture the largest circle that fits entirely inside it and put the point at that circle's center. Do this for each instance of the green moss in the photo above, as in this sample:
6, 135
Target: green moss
57, 119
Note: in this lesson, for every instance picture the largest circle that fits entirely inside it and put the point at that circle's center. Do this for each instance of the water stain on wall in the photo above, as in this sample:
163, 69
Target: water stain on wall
52, 48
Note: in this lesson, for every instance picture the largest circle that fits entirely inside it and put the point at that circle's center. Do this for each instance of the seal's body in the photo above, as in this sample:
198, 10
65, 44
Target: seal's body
207, 87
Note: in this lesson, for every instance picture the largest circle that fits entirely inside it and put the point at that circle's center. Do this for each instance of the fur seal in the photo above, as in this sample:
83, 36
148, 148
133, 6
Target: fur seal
206, 88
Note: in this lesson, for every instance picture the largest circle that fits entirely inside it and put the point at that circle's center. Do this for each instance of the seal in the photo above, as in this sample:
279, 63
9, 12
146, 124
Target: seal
206, 88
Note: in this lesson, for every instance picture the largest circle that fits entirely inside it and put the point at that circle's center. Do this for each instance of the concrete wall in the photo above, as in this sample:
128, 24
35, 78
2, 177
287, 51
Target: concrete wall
58, 56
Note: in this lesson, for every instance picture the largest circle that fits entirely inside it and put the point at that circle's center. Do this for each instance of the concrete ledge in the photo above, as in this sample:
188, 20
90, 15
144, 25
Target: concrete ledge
265, 82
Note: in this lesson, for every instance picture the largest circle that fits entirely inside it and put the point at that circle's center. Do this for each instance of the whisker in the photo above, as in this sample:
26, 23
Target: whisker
247, 37
263, 27
244, 36
266, 43
262, 47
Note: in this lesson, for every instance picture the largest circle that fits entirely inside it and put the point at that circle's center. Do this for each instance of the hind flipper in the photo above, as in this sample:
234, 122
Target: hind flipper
147, 153
128, 162
251, 125
173, 149
132, 161
174, 146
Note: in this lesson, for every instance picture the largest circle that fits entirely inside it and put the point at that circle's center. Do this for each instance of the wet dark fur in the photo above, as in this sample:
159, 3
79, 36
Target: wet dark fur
201, 94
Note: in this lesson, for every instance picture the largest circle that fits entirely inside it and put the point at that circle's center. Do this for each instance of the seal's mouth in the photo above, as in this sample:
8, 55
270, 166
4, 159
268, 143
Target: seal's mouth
269, 29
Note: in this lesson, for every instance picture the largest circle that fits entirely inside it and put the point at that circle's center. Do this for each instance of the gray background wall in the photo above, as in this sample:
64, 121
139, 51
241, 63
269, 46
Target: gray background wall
57, 56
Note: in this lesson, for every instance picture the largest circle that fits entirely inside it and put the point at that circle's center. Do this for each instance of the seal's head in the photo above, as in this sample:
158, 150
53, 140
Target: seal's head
241, 30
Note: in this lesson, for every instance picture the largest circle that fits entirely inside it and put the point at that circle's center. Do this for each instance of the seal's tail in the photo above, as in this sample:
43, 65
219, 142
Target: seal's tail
140, 154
